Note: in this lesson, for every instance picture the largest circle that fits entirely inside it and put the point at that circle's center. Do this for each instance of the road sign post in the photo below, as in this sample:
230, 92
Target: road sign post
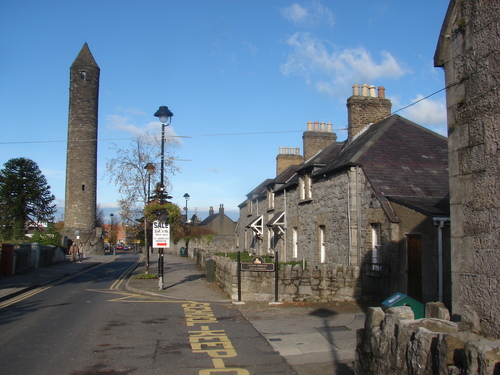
161, 240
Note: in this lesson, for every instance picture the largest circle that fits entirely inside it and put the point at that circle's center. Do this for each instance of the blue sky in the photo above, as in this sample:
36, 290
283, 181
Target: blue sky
242, 78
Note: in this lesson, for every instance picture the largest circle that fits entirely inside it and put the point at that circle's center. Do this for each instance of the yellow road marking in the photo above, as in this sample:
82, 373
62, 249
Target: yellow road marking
213, 342
129, 297
123, 276
35, 291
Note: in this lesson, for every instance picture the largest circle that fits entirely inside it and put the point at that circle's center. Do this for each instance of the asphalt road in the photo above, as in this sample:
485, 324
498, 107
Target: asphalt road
88, 324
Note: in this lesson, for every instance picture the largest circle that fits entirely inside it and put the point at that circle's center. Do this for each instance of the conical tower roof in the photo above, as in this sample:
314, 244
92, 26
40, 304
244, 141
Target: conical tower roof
85, 58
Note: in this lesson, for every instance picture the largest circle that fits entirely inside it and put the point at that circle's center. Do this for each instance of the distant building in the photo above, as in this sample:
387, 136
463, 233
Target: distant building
377, 202
219, 223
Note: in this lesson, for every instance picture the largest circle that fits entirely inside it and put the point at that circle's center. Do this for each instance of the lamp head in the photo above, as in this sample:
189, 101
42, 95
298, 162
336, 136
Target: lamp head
164, 114
186, 196
150, 167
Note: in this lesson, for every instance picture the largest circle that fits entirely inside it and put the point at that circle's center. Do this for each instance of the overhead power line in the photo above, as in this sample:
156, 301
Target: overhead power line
224, 134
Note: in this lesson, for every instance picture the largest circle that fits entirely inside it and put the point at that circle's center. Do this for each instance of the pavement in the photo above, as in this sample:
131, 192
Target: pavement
315, 338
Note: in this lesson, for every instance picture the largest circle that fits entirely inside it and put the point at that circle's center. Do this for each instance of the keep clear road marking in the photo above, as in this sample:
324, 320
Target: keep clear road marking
213, 342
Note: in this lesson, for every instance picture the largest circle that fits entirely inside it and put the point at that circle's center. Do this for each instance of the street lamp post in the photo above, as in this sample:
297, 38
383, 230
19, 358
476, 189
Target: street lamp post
165, 117
186, 197
150, 167
111, 237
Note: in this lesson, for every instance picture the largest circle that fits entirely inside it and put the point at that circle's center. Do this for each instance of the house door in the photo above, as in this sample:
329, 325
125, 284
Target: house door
414, 266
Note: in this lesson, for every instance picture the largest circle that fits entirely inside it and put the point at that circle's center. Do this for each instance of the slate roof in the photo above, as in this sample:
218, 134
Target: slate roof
399, 158
403, 161
430, 206
319, 160
209, 219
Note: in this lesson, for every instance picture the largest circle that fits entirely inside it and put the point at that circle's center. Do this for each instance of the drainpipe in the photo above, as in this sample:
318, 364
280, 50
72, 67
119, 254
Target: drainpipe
358, 214
285, 228
348, 220
439, 222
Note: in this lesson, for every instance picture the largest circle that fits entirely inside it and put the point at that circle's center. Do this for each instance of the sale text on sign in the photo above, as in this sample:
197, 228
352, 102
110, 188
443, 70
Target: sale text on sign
161, 234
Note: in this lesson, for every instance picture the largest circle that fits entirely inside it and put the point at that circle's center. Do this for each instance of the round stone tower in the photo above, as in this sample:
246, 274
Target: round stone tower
81, 159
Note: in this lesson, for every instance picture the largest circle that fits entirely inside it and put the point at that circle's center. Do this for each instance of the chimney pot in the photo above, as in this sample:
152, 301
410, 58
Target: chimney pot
372, 91
364, 90
381, 92
355, 90
309, 125
316, 126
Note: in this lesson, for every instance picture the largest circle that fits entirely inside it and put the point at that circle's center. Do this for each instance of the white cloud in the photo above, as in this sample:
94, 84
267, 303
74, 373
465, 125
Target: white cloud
119, 122
125, 123
215, 170
295, 13
428, 113
311, 59
315, 14
53, 172
132, 111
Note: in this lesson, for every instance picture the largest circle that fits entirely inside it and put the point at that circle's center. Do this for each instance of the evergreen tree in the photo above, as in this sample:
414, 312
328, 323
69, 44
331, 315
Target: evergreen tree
25, 198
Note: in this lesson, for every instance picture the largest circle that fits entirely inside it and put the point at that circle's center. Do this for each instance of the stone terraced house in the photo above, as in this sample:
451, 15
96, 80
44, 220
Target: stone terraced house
377, 202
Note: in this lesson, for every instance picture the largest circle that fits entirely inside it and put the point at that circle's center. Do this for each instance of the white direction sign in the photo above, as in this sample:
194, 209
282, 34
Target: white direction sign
161, 234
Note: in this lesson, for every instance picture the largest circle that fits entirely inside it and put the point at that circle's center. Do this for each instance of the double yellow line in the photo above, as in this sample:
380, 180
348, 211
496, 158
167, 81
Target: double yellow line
116, 285
37, 290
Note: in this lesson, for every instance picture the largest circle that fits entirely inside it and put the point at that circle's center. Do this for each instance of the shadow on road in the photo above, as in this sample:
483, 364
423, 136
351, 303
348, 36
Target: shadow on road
325, 314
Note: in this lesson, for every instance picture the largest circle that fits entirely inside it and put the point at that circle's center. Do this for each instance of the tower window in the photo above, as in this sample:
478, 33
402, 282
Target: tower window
83, 187
83, 75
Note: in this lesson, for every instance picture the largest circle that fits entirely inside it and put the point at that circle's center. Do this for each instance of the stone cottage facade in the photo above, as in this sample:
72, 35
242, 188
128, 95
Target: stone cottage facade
374, 202
468, 50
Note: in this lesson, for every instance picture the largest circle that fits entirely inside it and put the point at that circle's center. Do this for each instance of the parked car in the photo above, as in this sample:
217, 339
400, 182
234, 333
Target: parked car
119, 247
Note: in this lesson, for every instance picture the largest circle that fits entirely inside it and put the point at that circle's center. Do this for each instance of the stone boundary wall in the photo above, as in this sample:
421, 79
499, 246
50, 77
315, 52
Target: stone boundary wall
18, 259
325, 284
217, 243
393, 343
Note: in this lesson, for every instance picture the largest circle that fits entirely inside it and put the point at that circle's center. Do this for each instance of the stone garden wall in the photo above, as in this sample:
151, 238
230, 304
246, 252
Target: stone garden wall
324, 284
394, 343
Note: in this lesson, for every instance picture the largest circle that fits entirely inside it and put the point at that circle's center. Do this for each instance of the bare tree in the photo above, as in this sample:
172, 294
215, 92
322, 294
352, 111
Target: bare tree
99, 216
128, 171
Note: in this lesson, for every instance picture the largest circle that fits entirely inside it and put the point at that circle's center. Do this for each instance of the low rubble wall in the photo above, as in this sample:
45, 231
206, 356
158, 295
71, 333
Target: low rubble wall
394, 343
325, 284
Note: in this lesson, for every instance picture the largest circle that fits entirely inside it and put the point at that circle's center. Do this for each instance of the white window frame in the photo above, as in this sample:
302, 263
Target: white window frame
295, 240
376, 245
270, 199
305, 187
322, 244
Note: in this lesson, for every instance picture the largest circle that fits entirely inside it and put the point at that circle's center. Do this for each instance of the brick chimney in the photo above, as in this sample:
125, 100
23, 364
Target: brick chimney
317, 137
211, 211
221, 209
287, 157
365, 107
